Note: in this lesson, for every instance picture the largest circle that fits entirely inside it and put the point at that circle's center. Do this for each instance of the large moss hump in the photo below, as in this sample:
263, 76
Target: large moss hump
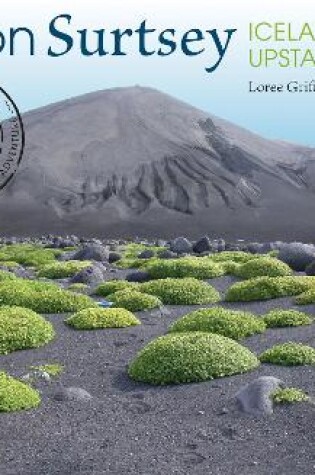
21, 328
96, 318
181, 291
190, 357
233, 324
16, 396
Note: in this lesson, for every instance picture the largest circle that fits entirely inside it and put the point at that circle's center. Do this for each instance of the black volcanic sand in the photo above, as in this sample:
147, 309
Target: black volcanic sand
132, 428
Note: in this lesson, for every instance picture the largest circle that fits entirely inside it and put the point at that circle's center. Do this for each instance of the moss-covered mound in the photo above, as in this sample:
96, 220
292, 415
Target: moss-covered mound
289, 396
21, 328
52, 369
79, 288
112, 286
289, 354
238, 257
134, 301
264, 288
306, 298
286, 318
42, 297
6, 276
95, 318
263, 266
16, 396
62, 270
181, 291
190, 357
197, 267
230, 323
28, 255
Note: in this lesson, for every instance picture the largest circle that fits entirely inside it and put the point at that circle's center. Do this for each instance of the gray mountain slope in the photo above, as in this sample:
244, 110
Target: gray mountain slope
138, 162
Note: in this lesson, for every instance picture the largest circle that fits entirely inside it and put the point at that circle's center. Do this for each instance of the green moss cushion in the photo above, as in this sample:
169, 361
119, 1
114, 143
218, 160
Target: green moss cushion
190, 357
96, 318
42, 297
181, 291
197, 267
289, 396
263, 266
239, 257
62, 270
230, 323
16, 396
113, 286
4, 275
134, 301
306, 298
264, 288
289, 354
28, 254
286, 318
21, 328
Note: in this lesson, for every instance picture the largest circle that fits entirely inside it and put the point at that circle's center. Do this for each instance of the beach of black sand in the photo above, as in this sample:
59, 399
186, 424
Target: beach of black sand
133, 428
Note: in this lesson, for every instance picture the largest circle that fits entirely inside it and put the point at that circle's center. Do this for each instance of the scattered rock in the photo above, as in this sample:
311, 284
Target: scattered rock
114, 257
310, 269
92, 252
203, 245
181, 245
254, 398
71, 394
167, 254
92, 275
147, 254
140, 276
298, 256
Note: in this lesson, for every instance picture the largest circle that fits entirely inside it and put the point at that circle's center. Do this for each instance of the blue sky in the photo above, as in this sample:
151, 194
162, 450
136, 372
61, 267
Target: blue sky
37, 81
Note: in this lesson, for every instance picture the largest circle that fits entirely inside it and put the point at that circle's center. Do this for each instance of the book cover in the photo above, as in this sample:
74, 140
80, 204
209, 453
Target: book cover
157, 237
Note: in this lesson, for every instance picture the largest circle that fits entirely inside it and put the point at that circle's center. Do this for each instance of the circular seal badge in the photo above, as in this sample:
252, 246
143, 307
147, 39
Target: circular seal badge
12, 138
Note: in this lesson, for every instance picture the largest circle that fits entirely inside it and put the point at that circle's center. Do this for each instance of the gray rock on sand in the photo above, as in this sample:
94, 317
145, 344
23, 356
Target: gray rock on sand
71, 394
147, 254
114, 257
167, 254
297, 255
181, 245
202, 245
254, 398
310, 269
140, 276
92, 252
92, 275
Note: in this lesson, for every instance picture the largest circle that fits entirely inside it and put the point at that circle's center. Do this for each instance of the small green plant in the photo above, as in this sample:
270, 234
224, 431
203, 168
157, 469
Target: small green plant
97, 318
190, 357
16, 396
134, 301
230, 323
306, 298
62, 270
78, 287
197, 267
286, 318
187, 291
42, 297
4, 275
264, 288
21, 328
289, 354
53, 369
112, 286
238, 257
263, 266
28, 255
9, 264
289, 396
